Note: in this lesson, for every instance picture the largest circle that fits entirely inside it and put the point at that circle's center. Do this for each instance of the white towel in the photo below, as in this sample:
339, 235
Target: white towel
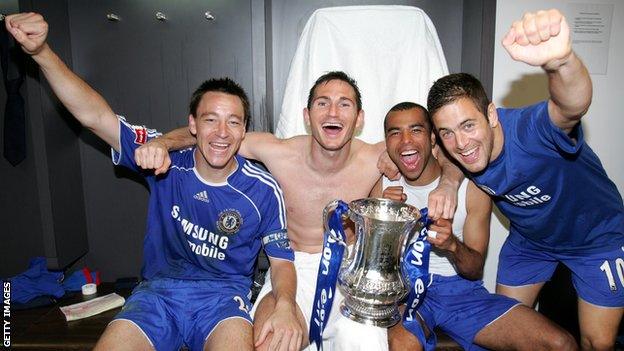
393, 52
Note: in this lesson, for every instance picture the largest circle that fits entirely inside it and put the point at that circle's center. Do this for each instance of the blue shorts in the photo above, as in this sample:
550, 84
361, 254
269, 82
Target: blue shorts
461, 308
174, 312
597, 275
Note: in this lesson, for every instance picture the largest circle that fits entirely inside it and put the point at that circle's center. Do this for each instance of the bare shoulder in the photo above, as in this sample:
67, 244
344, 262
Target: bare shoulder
295, 145
298, 140
366, 151
266, 145
364, 157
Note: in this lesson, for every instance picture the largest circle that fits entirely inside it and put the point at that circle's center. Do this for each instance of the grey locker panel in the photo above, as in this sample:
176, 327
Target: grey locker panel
20, 215
42, 198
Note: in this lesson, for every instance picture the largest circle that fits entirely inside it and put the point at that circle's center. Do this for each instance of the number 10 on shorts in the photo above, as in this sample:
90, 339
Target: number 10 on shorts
619, 267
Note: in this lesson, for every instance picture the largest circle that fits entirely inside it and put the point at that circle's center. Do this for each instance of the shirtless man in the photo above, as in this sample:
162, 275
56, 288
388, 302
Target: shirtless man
314, 170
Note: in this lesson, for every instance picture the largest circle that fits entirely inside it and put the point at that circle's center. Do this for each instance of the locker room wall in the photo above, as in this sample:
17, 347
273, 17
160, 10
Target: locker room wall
66, 198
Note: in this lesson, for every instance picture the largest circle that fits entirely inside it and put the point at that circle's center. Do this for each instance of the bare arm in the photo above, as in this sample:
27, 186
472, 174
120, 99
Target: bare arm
442, 200
384, 163
283, 321
256, 145
543, 39
570, 93
177, 139
155, 154
87, 106
260, 146
469, 255
376, 190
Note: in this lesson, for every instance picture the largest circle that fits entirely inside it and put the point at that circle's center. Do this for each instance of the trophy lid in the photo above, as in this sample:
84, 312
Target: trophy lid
384, 210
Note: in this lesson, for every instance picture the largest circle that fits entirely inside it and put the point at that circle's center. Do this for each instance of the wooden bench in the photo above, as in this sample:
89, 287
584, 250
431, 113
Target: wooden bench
45, 328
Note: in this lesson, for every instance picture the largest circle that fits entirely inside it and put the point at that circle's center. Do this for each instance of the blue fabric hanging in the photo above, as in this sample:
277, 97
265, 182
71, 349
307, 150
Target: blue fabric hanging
36, 281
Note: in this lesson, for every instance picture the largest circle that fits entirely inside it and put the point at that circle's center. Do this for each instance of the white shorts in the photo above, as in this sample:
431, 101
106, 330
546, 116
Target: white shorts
341, 333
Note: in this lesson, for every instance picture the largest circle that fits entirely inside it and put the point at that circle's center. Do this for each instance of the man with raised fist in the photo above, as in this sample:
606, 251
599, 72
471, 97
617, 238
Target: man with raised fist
535, 164
208, 218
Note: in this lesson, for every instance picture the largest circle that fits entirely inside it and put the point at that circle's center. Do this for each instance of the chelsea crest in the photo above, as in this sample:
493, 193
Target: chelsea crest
229, 221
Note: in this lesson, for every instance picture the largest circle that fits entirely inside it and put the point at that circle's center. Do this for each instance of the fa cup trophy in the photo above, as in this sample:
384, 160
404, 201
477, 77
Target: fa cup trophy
370, 276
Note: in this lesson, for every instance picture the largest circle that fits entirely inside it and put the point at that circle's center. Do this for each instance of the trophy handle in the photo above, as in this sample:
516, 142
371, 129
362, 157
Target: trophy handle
327, 211
411, 235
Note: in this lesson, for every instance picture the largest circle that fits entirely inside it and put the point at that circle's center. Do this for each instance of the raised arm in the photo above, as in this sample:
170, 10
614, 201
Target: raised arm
87, 106
543, 39
469, 255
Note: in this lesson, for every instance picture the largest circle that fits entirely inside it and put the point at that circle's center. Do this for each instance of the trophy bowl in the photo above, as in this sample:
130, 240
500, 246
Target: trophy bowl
370, 277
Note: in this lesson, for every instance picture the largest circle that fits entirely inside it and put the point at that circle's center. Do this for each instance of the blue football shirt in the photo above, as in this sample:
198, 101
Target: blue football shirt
551, 185
202, 230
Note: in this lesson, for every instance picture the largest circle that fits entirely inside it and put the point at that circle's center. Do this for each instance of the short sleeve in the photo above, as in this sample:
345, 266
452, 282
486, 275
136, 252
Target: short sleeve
130, 138
273, 226
549, 134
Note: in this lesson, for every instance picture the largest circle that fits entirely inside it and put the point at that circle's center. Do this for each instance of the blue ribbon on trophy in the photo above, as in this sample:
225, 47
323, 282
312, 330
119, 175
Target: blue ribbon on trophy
415, 269
331, 258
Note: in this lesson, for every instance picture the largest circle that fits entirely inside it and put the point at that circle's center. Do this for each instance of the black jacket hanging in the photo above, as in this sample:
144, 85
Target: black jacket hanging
14, 113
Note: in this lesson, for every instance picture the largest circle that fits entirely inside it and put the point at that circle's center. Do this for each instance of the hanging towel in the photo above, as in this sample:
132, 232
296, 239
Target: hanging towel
393, 52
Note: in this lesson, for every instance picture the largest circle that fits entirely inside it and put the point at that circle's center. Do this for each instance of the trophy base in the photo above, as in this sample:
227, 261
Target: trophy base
378, 316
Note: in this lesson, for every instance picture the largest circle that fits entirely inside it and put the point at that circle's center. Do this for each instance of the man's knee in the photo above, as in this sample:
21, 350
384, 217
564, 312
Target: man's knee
561, 340
123, 335
400, 339
265, 306
597, 342
230, 334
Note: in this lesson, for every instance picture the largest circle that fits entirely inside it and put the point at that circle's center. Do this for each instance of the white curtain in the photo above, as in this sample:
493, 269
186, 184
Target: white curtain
393, 52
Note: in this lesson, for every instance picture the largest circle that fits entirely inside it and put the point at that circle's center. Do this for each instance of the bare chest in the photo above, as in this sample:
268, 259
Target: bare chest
307, 193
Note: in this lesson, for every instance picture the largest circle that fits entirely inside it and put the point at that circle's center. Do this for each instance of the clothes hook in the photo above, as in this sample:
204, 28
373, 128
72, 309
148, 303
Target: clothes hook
161, 16
112, 17
209, 16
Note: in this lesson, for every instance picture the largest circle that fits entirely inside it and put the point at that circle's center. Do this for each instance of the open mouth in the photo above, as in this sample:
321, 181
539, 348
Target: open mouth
332, 128
410, 158
219, 147
470, 156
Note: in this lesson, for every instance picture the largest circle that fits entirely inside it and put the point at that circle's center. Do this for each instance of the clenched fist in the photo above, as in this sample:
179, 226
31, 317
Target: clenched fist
444, 238
153, 155
540, 38
28, 29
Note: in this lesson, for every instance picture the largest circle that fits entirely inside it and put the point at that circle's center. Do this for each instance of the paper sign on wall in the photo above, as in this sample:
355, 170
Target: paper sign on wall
590, 26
